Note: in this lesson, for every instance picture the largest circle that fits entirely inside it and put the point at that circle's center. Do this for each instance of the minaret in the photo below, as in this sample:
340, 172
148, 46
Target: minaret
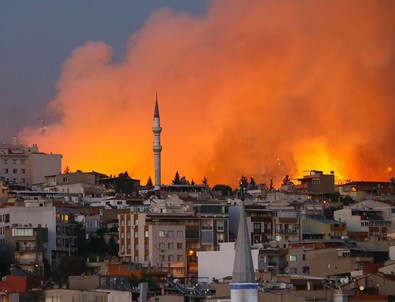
243, 287
157, 129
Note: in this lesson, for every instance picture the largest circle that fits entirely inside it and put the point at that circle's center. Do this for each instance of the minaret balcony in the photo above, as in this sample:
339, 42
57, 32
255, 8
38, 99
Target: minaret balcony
156, 130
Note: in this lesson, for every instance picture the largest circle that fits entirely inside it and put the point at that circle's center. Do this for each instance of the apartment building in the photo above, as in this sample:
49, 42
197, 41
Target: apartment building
361, 223
169, 238
287, 226
77, 183
28, 244
25, 165
332, 261
155, 240
259, 223
317, 182
319, 227
58, 220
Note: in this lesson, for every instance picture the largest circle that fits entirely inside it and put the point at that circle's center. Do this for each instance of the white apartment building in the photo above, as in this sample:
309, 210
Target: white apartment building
39, 213
219, 264
25, 165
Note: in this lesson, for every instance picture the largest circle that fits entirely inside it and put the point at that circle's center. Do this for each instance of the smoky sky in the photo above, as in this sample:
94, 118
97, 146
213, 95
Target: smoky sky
257, 88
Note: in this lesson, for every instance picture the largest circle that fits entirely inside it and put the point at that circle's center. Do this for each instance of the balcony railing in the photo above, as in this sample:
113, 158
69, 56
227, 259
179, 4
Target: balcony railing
287, 231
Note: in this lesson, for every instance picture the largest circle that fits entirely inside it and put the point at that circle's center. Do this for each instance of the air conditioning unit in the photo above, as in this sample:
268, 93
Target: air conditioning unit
343, 253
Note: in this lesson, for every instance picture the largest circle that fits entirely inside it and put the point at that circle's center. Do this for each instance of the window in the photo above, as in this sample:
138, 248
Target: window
136, 235
23, 171
128, 235
179, 246
220, 225
146, 234
257, 227
161, 233
6, 161
6, 171
207, 225
207, 237
161, 246
23, 180
179, 257
220, 238
170, 246
22, 232
15, 161
316, 181
170, 234
292, 258
257, 239
179, 234
170, 258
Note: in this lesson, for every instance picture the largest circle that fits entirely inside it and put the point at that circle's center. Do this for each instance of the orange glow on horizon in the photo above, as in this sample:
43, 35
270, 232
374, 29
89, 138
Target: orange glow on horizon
241, 92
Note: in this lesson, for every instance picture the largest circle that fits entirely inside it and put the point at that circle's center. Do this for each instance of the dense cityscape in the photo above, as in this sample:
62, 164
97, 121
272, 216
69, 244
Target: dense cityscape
88, 236
197, 151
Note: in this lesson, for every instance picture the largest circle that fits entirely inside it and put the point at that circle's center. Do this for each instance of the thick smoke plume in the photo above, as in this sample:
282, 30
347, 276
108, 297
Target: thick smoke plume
262, 88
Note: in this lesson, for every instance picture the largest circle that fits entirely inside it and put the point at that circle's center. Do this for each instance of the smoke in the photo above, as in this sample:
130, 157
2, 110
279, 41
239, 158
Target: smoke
255, 88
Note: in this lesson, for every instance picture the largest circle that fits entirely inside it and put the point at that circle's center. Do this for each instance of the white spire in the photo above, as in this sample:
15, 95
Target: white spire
243, 287
157, 148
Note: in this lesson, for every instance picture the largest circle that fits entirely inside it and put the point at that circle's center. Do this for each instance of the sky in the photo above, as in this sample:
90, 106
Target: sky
255, 88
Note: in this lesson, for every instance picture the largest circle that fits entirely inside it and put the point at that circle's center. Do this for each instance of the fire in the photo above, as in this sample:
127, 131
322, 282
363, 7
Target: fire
263, 88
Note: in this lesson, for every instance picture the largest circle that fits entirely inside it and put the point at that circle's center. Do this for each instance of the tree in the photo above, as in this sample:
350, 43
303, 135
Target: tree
243, 182
47, 268
205, 181
224, 189
70, 266
81, 239
253, 184
112, 247
287, 180
192, 182
176, 180
97, 245
124, 184
149, 182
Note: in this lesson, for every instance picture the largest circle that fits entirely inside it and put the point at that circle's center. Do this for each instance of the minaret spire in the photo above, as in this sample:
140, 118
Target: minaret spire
156, 113
243, 286
157, 148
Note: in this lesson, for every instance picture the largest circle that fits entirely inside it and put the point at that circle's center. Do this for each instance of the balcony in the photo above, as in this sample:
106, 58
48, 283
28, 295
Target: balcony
26, 249
286, 231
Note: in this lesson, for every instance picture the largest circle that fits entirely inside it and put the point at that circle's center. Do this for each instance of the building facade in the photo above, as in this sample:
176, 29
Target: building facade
26, 166
58, 220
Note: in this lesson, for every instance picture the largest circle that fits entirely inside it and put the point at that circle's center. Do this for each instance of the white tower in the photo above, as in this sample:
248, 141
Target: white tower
243, 287
157, 129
